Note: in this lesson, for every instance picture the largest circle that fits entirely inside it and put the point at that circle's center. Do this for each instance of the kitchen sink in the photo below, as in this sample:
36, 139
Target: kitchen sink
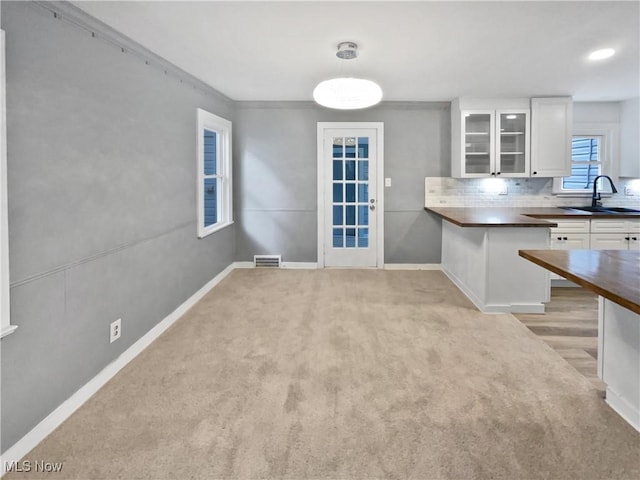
622, 210
610, 210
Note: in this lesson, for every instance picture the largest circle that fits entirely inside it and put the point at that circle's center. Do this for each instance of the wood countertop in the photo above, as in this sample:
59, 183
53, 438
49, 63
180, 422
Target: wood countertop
514, 216
613, 274
488, 217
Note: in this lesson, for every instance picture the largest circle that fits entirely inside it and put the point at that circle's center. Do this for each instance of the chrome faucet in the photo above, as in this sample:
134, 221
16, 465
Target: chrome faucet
596, 196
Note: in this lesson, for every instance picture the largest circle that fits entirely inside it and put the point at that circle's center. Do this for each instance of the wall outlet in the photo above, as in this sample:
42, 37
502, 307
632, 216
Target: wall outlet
387, 182
628, 191
503, 191
115, 330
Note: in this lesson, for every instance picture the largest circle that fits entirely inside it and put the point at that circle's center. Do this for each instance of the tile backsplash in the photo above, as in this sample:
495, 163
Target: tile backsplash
520, 192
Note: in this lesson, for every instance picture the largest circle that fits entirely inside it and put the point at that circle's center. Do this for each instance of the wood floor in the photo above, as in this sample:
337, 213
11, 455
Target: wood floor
570, 327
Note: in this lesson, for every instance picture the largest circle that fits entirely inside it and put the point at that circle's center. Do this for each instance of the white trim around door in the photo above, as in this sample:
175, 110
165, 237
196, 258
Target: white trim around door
378, 127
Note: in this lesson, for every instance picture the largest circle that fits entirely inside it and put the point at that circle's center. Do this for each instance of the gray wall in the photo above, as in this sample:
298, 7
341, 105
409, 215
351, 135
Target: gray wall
102, 207
275, 177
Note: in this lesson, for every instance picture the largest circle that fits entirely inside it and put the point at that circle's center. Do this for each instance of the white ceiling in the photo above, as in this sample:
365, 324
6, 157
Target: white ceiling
417, 51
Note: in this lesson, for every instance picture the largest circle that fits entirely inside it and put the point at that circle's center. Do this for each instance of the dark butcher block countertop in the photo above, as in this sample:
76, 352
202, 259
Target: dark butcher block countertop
613, 274
515, 216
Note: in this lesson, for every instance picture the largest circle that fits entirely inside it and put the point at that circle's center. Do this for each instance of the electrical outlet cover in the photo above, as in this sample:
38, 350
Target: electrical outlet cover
115, 330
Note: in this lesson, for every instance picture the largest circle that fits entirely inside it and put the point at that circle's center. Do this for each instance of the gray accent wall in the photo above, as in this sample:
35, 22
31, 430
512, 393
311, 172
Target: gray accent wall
102, 207
276, 176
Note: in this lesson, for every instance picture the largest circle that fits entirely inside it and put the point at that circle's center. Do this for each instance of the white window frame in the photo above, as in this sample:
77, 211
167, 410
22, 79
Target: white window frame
609, 152
222, 127
5, 324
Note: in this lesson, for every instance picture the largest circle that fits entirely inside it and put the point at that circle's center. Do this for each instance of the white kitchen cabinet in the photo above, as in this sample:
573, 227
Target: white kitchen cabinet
570, 241
551, 133
609, 241
490, 138
615, 234
570, 234
629, 135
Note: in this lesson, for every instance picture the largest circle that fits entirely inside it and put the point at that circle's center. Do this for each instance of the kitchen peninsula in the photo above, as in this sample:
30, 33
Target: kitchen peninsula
615, 276
480, 255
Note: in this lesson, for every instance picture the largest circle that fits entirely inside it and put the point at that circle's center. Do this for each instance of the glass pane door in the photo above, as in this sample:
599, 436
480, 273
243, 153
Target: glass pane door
477, 142
512, 143
350, 192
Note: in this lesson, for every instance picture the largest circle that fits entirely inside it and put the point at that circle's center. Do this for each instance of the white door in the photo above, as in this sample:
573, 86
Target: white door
350, 207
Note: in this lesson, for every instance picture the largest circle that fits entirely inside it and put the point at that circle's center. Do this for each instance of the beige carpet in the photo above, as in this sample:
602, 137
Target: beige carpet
344, 374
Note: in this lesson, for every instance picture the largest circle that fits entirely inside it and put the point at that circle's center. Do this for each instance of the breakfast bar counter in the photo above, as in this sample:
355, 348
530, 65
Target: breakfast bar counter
615, 276
480, 255
490, 217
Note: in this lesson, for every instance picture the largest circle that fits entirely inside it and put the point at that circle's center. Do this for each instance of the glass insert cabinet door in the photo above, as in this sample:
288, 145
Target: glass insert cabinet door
478, 137
350, 209
513, 143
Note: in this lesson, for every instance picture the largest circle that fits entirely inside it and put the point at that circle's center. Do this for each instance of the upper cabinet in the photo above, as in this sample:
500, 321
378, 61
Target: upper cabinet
511, 137
489, 138
551, 133
630, 138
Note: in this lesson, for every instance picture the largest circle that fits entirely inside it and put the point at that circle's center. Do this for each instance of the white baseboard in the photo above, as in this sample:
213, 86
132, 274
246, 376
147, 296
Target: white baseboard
300, 265
289, 265
412, 266
623, 408
243, 265
462, 287
493, 307
23, 446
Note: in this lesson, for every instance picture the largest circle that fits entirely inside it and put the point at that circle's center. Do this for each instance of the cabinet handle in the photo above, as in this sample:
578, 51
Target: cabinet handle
565, 238
634, 238
559, 238
627, 238
498, 173
493, 173
535, 173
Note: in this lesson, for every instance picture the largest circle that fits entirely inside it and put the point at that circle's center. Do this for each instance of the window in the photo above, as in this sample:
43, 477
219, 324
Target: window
214, 173
591, 154
586, 163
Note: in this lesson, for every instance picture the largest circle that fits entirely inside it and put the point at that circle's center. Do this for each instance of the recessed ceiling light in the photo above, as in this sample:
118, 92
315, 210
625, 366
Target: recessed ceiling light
601, 54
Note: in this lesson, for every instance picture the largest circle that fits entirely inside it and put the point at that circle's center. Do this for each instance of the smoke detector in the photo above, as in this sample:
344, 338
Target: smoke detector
347, 50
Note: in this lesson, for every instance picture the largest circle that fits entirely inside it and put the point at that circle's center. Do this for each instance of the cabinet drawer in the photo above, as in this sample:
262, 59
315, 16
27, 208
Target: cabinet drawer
569, 241
609, 225
569, 226
633, 226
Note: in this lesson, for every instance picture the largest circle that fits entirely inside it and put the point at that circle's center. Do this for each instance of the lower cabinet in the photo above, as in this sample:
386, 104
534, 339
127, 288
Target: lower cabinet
595, 234
611, 234
569, 241
570, 234
614, 241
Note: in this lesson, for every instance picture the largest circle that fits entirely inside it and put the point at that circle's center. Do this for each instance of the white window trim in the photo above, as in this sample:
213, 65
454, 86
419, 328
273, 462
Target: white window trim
225, 206
609, 149
5, 324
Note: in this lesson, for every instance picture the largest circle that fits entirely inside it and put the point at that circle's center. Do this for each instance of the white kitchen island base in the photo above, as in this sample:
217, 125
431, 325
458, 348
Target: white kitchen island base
484, 263
619, 359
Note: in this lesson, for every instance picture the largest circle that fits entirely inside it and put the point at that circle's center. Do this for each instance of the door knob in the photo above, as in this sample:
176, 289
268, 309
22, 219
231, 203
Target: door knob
372, 207
373, 200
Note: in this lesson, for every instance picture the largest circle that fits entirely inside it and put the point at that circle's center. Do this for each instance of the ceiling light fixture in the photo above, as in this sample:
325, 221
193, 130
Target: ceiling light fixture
601, 54
347, 93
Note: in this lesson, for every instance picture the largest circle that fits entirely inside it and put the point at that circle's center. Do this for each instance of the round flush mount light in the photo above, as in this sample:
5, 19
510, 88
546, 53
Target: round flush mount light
347, 93
601, 54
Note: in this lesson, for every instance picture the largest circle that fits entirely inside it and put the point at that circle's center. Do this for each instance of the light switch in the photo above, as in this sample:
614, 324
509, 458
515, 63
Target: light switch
387, 182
